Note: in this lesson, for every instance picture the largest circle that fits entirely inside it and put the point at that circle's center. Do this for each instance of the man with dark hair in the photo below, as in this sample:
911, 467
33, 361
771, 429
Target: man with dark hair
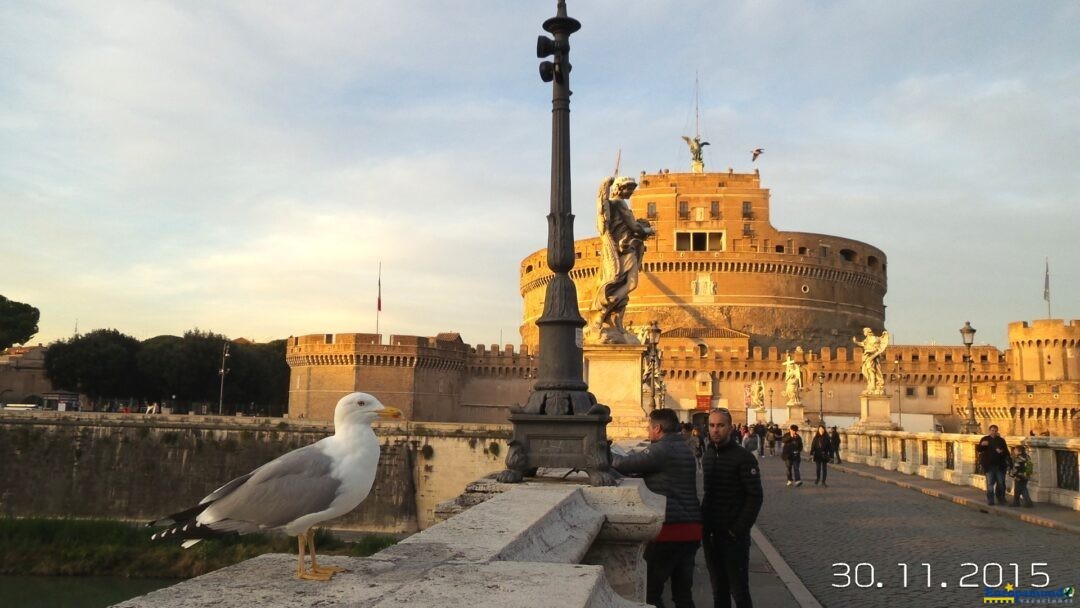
669, 469
733, 498
994, 457
791, 454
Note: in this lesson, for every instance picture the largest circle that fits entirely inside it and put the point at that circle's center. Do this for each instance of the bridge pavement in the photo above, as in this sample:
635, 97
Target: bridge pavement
881, 518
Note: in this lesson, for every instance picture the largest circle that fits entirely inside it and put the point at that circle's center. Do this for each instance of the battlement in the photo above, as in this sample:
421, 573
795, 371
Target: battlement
1029, 332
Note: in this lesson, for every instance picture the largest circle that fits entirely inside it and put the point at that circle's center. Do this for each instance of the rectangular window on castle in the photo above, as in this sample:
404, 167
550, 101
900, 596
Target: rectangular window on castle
699, 240
716, 241
682, 241
714, 210
910, 391
650, 210
747, 210
931, 391
1029, 388
684, 210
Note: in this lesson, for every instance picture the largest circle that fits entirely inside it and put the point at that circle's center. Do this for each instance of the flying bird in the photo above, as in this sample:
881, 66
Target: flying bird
756, 152
295, 491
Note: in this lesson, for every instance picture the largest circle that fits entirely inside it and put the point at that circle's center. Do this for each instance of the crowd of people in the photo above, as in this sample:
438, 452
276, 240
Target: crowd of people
721, 520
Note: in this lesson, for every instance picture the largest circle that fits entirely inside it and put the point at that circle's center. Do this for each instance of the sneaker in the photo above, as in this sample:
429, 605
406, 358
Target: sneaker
798, 483
789, 482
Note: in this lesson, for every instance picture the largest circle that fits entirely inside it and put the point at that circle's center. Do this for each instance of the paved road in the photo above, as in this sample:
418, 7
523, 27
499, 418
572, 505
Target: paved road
858, 520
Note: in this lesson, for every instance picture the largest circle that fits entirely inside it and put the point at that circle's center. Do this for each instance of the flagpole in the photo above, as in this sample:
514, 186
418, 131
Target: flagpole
1046, 290
378, 305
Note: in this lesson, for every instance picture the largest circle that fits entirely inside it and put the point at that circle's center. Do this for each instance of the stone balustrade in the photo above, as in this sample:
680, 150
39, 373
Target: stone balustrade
951, 457
532, 544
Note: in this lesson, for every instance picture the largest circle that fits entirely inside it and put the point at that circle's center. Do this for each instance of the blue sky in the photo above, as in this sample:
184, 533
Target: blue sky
243, 167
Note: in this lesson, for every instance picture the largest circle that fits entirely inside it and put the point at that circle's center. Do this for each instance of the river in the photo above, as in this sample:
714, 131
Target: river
73, 591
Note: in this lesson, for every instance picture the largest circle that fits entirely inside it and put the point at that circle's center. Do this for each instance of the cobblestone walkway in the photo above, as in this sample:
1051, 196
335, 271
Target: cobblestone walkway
863, 521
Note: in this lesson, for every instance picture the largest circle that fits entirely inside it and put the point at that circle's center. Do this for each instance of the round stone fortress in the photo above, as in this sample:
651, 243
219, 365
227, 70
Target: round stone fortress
718, 269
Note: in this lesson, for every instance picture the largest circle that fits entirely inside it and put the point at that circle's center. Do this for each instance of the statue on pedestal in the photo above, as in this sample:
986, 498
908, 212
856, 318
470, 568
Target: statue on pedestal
695, 147
757, 396
622, 246
873, 351
793, 381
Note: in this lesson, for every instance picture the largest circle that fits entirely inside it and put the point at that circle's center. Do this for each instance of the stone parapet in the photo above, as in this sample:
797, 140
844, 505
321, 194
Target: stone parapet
540, 543
951, 457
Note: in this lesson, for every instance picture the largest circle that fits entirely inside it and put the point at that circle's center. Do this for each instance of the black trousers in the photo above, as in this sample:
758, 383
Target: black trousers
821, 467
673, 561
728, 560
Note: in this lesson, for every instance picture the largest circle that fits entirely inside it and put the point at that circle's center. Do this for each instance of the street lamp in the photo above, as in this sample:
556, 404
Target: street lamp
821, 394
967, 332
770, 405
222, 371
899, 376
652, 363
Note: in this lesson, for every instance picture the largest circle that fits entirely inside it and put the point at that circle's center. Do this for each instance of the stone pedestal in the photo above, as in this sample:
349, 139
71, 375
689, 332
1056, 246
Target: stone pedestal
874, 413
796, 414
613, 373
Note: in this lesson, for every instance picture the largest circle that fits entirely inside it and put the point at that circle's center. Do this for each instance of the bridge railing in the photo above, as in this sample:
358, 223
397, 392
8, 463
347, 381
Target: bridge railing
951, 457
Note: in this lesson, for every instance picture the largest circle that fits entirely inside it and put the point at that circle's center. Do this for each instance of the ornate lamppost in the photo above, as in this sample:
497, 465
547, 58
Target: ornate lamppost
820, 376
967, 332
652, 363
899, 376
770, 405
224, 369
561, 425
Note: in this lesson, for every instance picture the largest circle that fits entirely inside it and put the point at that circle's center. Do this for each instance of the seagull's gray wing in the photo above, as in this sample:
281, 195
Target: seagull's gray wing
296, 484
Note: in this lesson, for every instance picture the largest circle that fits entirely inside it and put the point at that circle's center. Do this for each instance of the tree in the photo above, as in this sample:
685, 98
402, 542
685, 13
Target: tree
100, 364
18, 322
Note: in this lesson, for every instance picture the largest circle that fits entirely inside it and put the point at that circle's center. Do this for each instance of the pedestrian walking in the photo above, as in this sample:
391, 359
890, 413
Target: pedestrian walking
759, 430
668, 468
835, 436
791, 453
821, 452
993, 455
733, 498
773, 435
1022, 470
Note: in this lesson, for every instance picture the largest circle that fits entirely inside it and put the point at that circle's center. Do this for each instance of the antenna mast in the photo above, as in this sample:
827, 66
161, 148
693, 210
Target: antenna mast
697, 100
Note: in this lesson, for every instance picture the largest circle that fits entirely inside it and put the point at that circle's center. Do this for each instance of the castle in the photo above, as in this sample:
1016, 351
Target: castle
733, 296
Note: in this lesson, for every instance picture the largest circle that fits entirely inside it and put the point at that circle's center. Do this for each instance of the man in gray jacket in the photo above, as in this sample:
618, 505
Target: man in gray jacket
669, 469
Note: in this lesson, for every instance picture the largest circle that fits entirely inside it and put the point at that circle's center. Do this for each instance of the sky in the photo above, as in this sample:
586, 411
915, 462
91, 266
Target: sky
245, 167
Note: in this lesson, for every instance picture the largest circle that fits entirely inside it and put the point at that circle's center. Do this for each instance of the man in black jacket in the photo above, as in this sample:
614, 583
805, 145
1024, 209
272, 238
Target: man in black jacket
732, 500
994, 457
669, 468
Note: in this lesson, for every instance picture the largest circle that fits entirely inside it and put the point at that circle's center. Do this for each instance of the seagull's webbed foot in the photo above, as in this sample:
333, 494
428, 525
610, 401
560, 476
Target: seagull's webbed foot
329, 571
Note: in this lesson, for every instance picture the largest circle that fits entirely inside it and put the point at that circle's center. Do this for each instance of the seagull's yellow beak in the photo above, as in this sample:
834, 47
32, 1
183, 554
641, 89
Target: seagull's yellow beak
389, 412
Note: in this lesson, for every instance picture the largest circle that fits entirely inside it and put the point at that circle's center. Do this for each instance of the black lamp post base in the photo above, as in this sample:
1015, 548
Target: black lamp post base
560, 441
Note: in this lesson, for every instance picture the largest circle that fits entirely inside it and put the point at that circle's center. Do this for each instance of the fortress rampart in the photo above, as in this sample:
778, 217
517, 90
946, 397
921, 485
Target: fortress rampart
717, 262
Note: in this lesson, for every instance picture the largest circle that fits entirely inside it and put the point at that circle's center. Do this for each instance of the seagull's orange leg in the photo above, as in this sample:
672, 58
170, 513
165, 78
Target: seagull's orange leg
330, 570
303, 540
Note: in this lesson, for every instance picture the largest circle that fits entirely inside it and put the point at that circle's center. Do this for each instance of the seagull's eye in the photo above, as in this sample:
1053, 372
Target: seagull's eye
361, 403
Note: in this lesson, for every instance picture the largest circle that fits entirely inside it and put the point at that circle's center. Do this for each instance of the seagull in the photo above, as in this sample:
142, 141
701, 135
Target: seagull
295, 491
756, 152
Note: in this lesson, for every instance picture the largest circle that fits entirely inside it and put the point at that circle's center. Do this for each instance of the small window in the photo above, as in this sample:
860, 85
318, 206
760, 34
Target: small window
993, 389
529, 268
747, 210
747, 230
329, 338
910, 391
698, 241
779, 249
577, 255
848, 255
871, 261
931, 357
948, 357
983, 358
684, 210
682, 241
1030, 388
1055, 389
650, 210
931, 391
802, 251
714, 210
824, 251
914, 356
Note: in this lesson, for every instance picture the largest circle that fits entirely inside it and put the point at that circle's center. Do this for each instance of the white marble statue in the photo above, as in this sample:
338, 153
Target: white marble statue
757, 396
873, 352
622, 246
793, 381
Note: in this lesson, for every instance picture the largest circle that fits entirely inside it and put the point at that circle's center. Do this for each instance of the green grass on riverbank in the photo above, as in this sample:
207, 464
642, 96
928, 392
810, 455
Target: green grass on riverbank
112, 548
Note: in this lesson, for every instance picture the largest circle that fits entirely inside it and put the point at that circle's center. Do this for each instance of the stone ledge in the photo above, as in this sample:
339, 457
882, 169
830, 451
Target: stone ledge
522, 547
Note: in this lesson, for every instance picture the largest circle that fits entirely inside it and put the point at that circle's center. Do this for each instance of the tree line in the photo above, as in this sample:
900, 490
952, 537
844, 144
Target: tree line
177, 371
108, 366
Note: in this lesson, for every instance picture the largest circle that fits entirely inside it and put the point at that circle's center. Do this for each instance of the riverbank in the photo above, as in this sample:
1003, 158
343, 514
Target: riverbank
110, 548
